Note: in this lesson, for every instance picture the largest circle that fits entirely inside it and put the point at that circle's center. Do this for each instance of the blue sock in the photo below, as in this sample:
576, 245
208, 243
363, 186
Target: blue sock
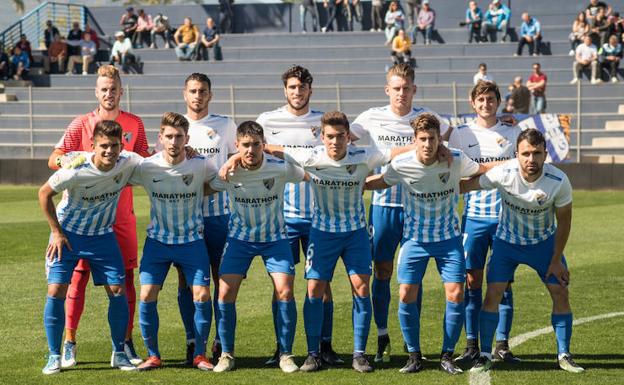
118, 320
328, 321
505, 310
227, 325
380, 290
487, 326
148, 320
453, 323
54, 323
473, 302
215, 309
313, 322
287, 321
275, 311
409, 319
362, 313
562, 323
187, 311
202, 320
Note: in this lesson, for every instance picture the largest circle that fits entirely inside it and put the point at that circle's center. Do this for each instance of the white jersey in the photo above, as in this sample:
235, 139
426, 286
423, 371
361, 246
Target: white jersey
257, 200
484, 145
90, 204
430, 194
381, 127
176, 193
528, 209
214, 137
338, 184
288, 130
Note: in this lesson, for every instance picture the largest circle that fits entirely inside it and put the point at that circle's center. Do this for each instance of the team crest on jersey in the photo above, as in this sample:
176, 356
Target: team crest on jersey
351, 168
187, 179
127, 136
541, 197
444, 176
316, 130
210, 133
268, 183
117, 178
501, 141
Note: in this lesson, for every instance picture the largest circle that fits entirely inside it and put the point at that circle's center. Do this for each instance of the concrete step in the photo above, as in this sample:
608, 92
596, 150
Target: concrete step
621, 109
604, 159
609, 142
614, 125
7, 98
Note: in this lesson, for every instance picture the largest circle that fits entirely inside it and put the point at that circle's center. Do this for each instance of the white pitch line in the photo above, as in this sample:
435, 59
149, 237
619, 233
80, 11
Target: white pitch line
484, 378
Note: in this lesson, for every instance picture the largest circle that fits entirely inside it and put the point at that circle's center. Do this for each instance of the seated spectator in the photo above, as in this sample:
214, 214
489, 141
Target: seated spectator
161, 28
5, 64
401, 46
186, 39
594, 7
94, 35
74, 35
531, 34
520, 99
122, 51
580, 28
610, 56
537, 85
24, 45
143, 30
20, 64
48, 33
425, 22
394, 21
128, 23
482, 75
496, 20
209, 39
87, 54
599, 28
57, 53
616, 26
376, 12
474, 17
586, 56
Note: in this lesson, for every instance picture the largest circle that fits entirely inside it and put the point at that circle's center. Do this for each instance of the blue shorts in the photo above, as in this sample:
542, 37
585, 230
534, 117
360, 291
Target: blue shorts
386, 228
215, 233
237, 256
414, 257
191, 257
298, 234
506, 257
102, 252
478, 234
326, 247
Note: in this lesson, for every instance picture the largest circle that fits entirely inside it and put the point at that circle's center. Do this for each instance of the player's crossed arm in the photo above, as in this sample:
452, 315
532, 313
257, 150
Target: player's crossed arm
58, 238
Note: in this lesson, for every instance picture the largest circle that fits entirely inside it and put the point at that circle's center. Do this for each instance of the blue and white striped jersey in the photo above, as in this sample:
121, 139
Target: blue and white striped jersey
528, 209
291, 131
90, 202
430, 194
214, 137
338, 184
257, 199
485, 145
176, 193
383, 128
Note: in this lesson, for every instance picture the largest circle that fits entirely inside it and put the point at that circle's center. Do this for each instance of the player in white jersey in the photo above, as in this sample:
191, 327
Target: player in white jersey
534, 226
81, 227
485, 139
387, 127
296, 125
175, 187
256, 194
431, 229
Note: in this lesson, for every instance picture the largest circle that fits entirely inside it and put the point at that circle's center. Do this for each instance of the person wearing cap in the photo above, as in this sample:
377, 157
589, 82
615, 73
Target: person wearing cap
129, 22
122, 51
496, 19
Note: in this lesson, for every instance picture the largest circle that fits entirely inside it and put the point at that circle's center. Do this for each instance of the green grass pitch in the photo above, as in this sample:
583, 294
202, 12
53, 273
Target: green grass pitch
594, 254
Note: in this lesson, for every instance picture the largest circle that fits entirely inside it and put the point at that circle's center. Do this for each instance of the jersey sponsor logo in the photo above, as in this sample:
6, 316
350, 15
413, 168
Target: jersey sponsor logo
117, 178
444, 176
431, 196
524, 210
336, 183
102, 197
351, 168
252, 201
394, 139
127, 136
208, 150
174, 196
268, 183
187, 179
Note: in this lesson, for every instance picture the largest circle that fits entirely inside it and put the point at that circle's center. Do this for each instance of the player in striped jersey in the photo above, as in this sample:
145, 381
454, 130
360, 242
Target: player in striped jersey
296, 125
257, 227
388, 127
82, 228
175, 187
534, 226
431, 229
485, 139
78, 137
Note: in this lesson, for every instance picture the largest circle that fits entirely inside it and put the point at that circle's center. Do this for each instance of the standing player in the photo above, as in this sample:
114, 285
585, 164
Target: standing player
296, 125
485, 139
78, 137
82, 228
534, 226
175, 186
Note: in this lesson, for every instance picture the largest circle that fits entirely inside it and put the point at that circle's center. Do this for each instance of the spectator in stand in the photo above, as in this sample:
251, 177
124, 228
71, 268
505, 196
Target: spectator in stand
537, 85
226, 16
20, 64
94, 35
531, 34
600, 27
24, 45
580, 28
496, 20
57, 53
376, 15
209, 39
425, 22
5, 64
482, 75
401, 48
74, 35
129, 22
333, 8
594, 7
586, 56
412, 9
610, 55
87, 54
143, 29
48, 33
161, 28
616, 26
121, 52
474, 17
353, 10
520, 99
394, 21
186, 39
308, 6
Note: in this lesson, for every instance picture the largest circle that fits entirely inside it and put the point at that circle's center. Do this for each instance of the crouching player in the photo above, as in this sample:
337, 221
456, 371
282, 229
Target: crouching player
82, 229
